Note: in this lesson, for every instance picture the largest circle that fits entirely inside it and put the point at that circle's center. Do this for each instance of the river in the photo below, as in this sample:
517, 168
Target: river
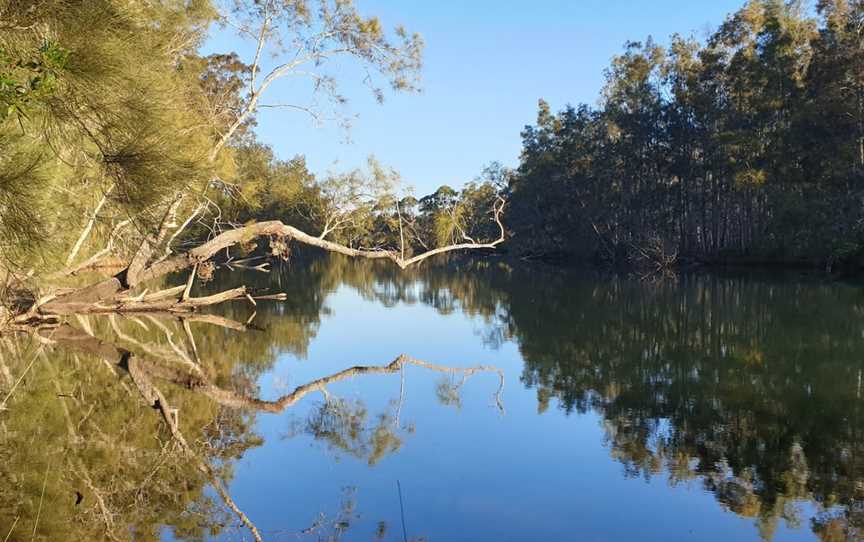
530, 404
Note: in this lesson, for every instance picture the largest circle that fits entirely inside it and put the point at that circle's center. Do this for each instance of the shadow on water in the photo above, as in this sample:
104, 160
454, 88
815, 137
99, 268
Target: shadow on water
751, 386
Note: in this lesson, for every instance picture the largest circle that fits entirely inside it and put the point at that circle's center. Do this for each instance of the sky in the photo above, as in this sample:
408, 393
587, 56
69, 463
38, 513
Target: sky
486, 64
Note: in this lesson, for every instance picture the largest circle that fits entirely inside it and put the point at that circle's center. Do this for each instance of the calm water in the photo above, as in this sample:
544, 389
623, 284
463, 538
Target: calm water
713, 407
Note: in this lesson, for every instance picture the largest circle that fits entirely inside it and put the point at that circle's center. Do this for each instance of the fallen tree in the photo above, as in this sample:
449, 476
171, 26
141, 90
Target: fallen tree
118, 293
159, 133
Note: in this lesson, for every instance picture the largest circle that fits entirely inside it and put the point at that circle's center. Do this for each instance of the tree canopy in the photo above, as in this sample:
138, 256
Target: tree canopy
748, 146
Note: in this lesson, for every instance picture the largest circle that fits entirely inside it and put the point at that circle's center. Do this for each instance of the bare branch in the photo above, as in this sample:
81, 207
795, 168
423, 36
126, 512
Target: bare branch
234, 400
262, 39
85, 233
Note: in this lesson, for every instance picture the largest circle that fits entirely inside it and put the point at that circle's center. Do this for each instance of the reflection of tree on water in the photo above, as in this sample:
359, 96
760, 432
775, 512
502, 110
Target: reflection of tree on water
748, 385
84, 459
474, 287
752, 387
108, 466
345, 427
333, 526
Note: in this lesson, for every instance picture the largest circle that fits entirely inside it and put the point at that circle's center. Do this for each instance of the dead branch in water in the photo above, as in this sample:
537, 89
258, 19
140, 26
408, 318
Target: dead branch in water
115, 294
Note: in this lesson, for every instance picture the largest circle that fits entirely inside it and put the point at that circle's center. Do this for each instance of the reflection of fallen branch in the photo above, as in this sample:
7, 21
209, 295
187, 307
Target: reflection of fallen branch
100, 502
41, 500
235, 400
332, 527
12, 528
21, 378
171, 355
82, 470
154, 397
206, 319
140, 369
189, 375
194, 378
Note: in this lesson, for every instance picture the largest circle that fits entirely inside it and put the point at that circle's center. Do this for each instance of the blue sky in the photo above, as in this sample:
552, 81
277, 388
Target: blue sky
486, 65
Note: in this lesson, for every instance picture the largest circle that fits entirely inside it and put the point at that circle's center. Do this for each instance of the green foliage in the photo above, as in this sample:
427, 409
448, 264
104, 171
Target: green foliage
366, 207
262, 187
99, 107
84, 459
750, 145
21, 180
106, 107
25, 83
722, 382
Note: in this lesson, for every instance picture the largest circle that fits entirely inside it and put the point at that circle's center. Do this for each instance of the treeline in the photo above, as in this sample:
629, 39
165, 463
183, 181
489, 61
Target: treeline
748, 147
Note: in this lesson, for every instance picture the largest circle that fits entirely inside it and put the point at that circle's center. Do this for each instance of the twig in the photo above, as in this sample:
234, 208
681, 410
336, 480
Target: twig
41, 499
402, 512
12, 528
401, 395
188, 289
20, 378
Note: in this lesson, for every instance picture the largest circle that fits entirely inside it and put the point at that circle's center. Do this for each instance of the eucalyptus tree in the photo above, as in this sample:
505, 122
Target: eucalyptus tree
746, 146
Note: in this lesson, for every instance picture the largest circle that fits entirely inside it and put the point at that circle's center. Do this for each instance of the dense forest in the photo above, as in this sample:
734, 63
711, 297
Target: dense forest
747, 146
744, 147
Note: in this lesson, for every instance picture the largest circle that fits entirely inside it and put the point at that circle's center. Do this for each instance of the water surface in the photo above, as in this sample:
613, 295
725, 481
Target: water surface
536, 404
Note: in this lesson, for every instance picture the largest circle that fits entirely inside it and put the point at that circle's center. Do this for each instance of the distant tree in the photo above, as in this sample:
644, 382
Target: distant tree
747, 147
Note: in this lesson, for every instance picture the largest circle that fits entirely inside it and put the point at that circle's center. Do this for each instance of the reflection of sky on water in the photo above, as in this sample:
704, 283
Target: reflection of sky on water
466, 474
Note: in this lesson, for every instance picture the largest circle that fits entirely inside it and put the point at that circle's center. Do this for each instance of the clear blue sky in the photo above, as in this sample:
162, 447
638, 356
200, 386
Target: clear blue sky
486, 64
